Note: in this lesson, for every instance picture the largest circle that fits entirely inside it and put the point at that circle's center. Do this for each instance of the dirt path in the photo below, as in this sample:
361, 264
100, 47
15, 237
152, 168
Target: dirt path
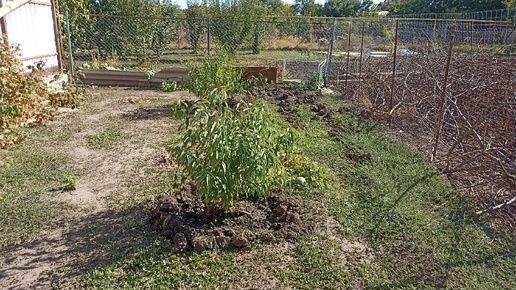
131, 127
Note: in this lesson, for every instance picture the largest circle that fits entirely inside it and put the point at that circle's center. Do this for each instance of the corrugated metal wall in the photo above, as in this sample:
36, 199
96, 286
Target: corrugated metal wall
32, 26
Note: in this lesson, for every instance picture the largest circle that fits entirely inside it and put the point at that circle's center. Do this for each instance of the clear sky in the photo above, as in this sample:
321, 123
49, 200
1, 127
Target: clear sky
182, 3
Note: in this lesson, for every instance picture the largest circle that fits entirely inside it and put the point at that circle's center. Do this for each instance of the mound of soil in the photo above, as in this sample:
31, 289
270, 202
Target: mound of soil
181, 218
288, 98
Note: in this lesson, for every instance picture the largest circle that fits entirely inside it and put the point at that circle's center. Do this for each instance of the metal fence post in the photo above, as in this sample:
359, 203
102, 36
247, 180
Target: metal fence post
443, 97
393, 84
347, 60
331, 49
361, 55
208, 36
70, 56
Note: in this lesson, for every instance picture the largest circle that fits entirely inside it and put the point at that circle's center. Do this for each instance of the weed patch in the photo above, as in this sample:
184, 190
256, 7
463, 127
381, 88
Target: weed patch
150, 266
28, 176
312, 268
107, 138
25, 99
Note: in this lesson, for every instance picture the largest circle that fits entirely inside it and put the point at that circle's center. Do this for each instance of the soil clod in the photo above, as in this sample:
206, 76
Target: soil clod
187, 224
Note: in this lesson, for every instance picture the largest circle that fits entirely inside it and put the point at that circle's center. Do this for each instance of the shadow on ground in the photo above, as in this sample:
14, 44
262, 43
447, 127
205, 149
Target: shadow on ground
149, 113
92, 240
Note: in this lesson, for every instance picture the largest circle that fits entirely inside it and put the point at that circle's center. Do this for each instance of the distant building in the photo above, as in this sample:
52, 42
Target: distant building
383, 13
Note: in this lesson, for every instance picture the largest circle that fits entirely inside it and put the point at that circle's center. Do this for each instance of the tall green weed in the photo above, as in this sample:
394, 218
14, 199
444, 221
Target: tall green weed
230, 152
214, 73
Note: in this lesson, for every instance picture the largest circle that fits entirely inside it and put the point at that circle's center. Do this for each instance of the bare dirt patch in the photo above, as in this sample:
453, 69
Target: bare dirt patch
103, 173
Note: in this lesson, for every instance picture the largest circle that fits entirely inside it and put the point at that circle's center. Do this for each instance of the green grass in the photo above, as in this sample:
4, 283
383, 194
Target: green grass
149, 265
426, 233
107, 138
312, 268
28, 175
421, 233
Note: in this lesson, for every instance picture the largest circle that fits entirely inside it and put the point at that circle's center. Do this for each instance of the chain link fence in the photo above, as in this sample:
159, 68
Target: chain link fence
102, 41
508, 14
448, 85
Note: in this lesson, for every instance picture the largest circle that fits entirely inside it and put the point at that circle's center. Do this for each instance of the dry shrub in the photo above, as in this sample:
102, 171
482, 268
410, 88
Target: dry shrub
25, 99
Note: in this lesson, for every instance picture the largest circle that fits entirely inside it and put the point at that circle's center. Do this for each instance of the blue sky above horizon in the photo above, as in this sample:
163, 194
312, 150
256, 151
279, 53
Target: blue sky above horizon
182, 3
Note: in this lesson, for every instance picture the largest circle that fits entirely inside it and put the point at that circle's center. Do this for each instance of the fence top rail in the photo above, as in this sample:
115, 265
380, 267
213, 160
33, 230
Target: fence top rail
182, 17
392, 19
463, 15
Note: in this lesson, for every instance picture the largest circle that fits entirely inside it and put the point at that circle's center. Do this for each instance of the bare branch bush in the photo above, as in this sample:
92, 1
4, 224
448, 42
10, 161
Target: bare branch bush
477, 142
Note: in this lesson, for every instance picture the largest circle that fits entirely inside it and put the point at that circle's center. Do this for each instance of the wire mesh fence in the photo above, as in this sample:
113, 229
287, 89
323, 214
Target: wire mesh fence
449, 87
103, 41
448, 83
508, 14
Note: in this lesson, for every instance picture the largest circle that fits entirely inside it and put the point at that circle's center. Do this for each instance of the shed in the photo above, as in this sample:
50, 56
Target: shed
33, 25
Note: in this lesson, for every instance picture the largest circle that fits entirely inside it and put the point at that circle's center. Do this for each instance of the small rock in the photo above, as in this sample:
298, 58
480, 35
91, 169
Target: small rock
291, 235
156, 225
175, 223
327, 91
293, 218
182, 228
282, 97
167, 219
250, 236
342, 110
280, 209
180, 242
229, 232
155, 213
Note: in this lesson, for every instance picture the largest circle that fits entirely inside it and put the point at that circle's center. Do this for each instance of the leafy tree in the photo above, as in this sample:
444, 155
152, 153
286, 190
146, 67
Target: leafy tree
442, 6
346, 8
79, 21
471, 5
151, 28
510, 3
307, 8
163, 29
286, 10
274, 6
258, 28
409, 6
195, 12
233, 22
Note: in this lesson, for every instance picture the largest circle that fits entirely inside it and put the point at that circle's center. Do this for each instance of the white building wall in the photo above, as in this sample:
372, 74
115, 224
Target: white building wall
32, 27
